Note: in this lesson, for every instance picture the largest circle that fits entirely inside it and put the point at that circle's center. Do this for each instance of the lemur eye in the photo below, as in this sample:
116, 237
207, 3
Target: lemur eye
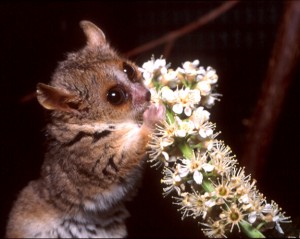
130, 71
116, 95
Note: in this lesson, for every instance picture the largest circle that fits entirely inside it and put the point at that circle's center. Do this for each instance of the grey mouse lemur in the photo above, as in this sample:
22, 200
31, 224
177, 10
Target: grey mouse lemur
100, 119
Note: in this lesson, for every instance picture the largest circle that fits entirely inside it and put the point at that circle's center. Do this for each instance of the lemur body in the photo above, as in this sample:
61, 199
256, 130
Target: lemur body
98, 129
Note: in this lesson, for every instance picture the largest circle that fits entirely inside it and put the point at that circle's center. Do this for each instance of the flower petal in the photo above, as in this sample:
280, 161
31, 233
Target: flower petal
177, 108
198, 177
252, 217
183, 171
166, 155
180, 133
208, 167
187, 111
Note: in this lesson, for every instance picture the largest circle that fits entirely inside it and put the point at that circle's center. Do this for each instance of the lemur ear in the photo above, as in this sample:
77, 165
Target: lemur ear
95, 36
53, 98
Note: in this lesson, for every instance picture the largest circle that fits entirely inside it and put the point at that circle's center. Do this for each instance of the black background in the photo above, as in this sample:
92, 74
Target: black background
35, 36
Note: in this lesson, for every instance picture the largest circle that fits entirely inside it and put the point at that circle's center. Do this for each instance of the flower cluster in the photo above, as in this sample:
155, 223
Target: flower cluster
198, 168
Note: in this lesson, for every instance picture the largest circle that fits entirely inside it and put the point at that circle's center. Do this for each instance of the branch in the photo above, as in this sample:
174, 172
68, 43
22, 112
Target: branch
173, 35
282, 64
168, 38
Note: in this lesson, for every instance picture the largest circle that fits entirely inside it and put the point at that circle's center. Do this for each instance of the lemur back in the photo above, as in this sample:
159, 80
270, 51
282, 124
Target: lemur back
100, 119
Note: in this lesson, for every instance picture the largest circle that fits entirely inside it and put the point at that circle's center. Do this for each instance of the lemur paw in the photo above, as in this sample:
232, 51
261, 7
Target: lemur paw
154, 115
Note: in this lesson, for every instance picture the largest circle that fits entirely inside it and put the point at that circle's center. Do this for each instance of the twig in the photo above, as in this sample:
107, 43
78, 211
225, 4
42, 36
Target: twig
168, 38
173, 35
27, 98
282, 64
168, 48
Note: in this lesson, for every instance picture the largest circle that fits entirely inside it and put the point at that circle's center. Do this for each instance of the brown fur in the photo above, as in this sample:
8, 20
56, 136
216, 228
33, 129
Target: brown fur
100, 121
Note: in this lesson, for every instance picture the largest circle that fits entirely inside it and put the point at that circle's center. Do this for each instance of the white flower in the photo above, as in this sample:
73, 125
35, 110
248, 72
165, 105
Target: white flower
172, 180
194, 166
194, 204
154, 65
273, 214
158, 144
168, 95
209, 100
214, 229
170, 78
155, 97
152, 68
199, 117
232, 215
222, 158
183, 128
204, 87
186, 99
206, 130
191, 68
252, 203
209, 75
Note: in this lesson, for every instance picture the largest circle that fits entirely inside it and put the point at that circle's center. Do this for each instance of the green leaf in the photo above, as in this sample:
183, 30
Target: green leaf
250, 231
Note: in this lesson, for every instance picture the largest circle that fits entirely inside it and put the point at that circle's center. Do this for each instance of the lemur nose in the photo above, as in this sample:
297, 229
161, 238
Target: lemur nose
148, 96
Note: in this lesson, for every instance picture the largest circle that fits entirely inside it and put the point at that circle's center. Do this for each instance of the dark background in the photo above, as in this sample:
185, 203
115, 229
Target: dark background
35, 36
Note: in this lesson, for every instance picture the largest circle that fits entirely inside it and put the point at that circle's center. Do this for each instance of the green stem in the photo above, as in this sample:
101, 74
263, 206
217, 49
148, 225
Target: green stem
169, 116
250, 231
186, 150
207, 186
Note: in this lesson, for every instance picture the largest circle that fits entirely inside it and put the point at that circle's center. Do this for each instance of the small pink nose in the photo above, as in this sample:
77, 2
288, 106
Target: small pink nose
140, 94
